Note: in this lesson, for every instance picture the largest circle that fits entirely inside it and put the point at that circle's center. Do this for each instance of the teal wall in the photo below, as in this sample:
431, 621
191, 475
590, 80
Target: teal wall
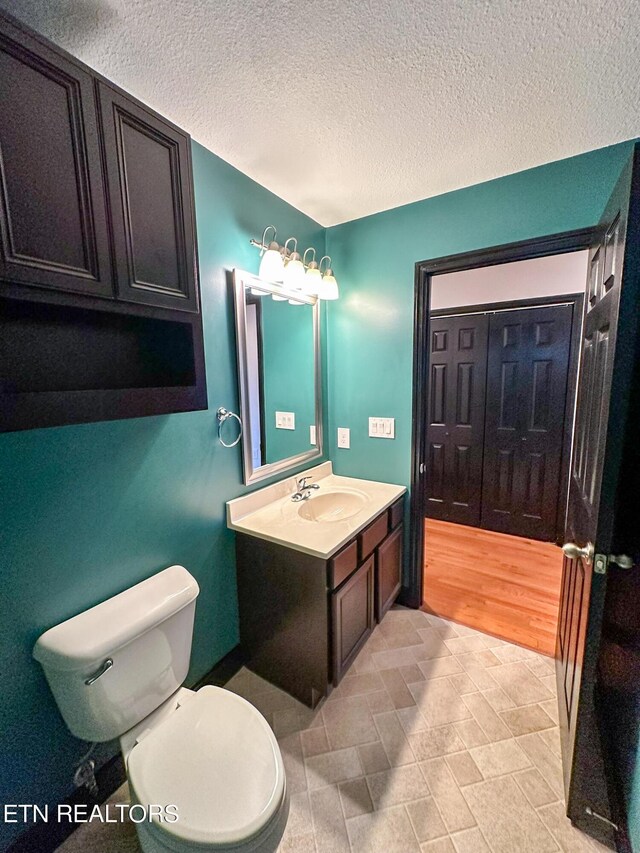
289, 376
90, 510
370, 328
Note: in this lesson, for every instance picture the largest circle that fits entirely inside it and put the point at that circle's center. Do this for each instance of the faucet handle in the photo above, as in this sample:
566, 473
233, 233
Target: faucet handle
301, 483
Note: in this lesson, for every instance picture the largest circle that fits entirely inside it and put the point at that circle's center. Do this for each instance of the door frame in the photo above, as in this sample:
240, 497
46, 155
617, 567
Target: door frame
576, 300
537, 247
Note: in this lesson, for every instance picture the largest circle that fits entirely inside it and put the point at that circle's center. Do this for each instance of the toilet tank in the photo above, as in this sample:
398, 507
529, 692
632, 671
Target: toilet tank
111, 666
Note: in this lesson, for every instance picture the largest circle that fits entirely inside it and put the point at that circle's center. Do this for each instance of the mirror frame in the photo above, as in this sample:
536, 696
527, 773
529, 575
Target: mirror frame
241, 281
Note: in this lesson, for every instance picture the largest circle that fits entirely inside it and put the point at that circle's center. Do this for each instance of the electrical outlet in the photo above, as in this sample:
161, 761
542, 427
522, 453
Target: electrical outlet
285, 420
312, 435
344, 437
382, 427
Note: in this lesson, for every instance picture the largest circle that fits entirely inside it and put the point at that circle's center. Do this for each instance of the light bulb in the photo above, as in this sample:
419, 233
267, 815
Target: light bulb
294, 273
329, 289
272, 265
312, 280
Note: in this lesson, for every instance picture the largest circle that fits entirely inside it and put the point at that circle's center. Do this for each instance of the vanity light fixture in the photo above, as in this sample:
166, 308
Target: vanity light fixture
280, 265
329, 287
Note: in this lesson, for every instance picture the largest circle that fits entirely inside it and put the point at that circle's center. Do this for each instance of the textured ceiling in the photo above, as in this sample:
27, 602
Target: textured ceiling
348, 107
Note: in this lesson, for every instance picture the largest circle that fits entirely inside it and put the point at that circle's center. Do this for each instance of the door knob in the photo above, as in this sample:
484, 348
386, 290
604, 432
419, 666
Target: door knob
622, 561
573, 552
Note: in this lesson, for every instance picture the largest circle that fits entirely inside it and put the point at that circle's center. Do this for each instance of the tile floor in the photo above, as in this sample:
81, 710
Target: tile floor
440, 739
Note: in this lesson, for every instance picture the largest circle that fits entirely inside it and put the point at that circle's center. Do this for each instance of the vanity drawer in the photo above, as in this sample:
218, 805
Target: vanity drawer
341, 566
396, 513
373, 535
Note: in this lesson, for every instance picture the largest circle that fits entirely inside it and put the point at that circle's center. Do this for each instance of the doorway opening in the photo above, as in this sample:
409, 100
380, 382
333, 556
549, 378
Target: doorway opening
503, 349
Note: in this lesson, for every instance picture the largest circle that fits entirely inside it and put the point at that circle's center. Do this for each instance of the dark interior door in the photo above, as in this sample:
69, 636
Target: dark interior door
600, 523
455, 433
527, 373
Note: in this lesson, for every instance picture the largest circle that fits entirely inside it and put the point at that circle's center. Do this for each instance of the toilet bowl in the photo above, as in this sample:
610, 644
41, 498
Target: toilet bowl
216, 759
117, 671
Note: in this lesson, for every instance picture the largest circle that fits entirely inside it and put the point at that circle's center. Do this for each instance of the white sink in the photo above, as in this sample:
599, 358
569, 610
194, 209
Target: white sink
319, 526
332, 506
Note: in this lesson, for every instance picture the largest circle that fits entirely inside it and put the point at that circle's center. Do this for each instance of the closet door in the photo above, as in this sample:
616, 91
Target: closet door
458, 364
526, 393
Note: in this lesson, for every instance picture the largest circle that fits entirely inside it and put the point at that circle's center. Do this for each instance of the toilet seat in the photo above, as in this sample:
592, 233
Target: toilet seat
215, 758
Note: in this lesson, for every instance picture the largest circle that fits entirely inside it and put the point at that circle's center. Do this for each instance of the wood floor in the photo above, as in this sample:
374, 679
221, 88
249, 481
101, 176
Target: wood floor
499, 584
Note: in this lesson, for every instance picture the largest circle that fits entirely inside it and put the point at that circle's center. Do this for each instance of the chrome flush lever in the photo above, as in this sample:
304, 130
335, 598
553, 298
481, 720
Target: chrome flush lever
106, 666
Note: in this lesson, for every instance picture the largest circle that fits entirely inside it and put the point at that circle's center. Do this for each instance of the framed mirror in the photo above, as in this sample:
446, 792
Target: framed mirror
279, 374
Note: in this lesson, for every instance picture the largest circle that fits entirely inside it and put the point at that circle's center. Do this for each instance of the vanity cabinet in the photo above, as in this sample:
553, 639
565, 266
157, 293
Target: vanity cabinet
99, 301
304, 619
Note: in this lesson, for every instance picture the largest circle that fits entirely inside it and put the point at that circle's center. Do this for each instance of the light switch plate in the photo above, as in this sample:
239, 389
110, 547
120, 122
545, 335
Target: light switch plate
285, 420
382, 427
344, 437
312, 435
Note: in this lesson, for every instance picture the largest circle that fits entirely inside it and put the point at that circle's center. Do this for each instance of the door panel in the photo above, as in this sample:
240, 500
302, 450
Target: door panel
53, 230
149, 180
528, 363
591, 709
455, 434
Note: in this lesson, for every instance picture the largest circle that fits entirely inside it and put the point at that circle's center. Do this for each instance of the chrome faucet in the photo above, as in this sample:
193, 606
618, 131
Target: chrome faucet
303, 489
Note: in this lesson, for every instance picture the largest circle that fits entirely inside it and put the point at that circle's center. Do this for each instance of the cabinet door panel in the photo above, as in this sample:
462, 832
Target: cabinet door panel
149, 179
352, 616
388, 571
53, 228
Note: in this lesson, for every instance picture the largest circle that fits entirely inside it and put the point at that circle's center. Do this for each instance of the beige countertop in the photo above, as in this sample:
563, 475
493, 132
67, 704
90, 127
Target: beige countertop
270, 513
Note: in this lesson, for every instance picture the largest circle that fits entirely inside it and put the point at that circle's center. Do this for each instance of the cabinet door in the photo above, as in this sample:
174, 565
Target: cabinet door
148, 165
388, 571
353, 621
53, 230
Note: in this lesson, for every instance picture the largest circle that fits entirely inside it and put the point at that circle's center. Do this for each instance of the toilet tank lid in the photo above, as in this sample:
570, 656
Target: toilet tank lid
96, 633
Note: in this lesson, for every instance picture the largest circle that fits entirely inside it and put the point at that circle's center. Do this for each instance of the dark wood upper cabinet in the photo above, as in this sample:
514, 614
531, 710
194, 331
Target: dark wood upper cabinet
53, 227
149, 183
99, 299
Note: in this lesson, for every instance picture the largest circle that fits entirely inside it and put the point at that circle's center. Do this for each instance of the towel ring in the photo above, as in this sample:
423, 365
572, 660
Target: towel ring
223, 415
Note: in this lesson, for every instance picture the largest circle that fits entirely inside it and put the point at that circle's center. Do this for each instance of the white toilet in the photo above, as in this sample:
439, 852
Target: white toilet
117, 671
